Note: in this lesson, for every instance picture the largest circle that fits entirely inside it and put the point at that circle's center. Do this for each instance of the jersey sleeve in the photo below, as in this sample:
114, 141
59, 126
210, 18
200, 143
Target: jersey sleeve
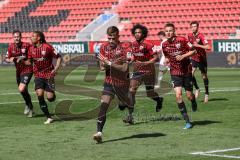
202, 38
53, 52
150, 49
101, 51
9, 53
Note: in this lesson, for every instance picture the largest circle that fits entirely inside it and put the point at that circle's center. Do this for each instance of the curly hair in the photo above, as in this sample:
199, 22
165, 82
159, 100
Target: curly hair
142, 28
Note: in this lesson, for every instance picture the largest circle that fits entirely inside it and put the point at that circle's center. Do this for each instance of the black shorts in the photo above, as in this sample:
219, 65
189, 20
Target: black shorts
201, 65
24, 78
184, 81
120, 92
148, 80
45, 84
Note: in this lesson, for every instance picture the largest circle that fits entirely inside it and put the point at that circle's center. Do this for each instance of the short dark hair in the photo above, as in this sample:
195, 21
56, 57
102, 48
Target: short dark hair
170, 25
161, 33
142, 28
17, 31
194, 22
112, 30
41, 35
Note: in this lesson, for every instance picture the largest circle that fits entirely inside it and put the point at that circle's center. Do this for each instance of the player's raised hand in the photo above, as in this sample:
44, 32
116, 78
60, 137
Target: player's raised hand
103, 59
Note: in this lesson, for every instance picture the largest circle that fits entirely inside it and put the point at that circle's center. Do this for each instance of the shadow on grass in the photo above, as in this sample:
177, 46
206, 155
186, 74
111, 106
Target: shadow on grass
217, 99
143, 135
205, 122
165, 118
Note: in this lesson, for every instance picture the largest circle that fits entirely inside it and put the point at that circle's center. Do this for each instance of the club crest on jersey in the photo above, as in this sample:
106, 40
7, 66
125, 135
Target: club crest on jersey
118, 51
178, 45
43, 53
197, 40
23, 50
141, 47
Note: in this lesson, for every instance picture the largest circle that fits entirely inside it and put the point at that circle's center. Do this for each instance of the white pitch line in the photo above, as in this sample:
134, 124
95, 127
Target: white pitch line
209, 153
211, 91
37, 101
217, 155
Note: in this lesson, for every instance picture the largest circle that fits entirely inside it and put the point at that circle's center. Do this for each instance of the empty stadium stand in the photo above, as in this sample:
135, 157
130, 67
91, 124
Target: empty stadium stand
60, 20
218, 18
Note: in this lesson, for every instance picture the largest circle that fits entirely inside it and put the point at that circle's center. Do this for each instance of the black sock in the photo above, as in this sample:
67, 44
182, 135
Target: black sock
183, 110
131, 97
27, 98
43, 106
102, 116
130, 111
194, 81
158, 99
194, 104
206, 82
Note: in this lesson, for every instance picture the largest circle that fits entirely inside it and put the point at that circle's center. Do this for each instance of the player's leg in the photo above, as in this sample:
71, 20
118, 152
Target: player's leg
195, 65
203, 69
189, 92
177, 85
135, 82
40, 85
50, 90
106, 98
162, 71
149, 82
23, 89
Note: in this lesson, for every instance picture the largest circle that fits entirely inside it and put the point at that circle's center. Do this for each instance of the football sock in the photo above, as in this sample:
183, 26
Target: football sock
27, 98
206, 82
102, 116
43, 106
194, 81
183, 110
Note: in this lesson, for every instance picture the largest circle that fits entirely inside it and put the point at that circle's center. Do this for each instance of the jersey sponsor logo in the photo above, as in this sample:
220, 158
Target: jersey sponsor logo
141, 47
138, 54
176, 53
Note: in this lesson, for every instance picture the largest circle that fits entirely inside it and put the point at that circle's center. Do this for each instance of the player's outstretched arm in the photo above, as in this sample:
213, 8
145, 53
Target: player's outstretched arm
58, 63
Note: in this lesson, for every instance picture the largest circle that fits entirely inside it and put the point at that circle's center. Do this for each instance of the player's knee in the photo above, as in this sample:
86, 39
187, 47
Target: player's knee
133, 89
52, 99
21, 89
179, 97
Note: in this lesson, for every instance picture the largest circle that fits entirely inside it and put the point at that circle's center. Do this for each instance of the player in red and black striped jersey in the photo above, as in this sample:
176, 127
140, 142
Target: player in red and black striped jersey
199, 60
41, 54
113, 60
177, 51
17, 53
143, 59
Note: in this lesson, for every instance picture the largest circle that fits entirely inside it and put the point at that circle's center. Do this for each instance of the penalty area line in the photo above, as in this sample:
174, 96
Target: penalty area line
213, 153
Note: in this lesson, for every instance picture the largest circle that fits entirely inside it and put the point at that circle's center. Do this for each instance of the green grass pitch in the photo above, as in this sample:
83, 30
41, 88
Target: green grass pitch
155, 136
